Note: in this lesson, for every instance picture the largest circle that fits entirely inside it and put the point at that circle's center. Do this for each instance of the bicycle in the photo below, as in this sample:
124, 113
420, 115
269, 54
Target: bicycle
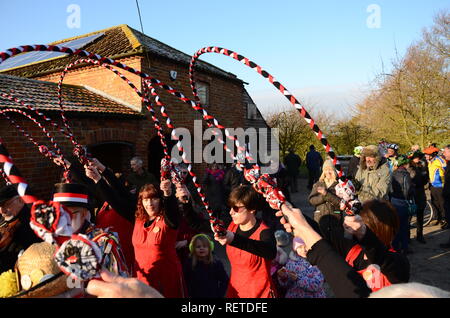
428, 215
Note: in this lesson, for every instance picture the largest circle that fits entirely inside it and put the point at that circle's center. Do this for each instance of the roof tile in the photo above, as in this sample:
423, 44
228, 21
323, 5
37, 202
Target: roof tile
44, 96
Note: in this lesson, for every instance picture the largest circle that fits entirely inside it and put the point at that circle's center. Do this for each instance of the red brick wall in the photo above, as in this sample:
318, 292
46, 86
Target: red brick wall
225, 97
104, 80
226, 104
40, 172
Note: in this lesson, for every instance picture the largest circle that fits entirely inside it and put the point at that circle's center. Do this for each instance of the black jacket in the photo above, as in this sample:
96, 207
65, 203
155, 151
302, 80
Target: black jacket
402, 186
342, 278
419, 178
395, 266
215, 192
205, 280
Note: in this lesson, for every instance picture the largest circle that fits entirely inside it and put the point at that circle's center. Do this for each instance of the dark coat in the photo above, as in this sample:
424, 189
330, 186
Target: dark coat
233, 178
402, 186
419, 177
325, 204
205, 280
314, 161
292, 162
215, 192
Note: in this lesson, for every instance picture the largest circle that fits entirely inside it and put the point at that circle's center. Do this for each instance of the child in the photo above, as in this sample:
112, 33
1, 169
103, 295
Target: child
205, 276
300, 278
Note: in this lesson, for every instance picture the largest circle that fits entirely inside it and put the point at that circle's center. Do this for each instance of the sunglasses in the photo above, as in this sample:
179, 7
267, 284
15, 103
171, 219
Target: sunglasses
237, 209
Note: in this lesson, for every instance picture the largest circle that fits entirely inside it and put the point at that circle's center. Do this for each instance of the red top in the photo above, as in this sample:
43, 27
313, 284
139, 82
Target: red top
250, 274
373, 276
156, 261
108, 217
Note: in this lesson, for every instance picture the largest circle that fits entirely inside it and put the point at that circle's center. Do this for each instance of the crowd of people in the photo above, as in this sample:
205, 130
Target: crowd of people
166, 247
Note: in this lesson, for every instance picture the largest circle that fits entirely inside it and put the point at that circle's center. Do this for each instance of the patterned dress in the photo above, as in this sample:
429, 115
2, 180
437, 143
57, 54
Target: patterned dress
309, 282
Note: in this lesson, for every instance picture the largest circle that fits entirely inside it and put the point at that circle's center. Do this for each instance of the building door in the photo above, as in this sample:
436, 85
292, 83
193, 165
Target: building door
114, 155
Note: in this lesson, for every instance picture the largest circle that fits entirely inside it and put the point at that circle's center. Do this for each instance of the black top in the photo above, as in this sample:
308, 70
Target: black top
342, 278
395, 266
110, 190
402, 186
23, 237
205, 280
137, 181
264, 247
214, 192
292, 162
233, 178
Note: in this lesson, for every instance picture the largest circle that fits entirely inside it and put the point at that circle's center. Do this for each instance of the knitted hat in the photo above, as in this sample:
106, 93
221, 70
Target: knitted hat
6, 193
402, 160
71, 194
191, 244
297, 242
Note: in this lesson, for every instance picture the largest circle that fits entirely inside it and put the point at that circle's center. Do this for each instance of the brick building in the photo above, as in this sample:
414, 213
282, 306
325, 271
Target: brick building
105, 114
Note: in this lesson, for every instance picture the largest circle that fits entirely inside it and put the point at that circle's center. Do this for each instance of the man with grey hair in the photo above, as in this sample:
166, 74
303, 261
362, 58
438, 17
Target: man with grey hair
139, 176
373, 177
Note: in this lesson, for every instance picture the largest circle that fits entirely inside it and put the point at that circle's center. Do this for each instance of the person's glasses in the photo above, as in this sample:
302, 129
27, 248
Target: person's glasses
237, 209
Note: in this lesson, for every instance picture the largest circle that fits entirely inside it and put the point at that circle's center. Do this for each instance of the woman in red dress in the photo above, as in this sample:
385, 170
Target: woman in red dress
154, 237
250, 246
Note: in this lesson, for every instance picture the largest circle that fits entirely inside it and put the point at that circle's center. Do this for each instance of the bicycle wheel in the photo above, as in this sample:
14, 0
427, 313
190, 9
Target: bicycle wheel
428, 213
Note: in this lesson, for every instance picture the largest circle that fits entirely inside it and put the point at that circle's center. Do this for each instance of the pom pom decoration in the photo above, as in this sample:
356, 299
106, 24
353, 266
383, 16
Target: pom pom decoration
8, 284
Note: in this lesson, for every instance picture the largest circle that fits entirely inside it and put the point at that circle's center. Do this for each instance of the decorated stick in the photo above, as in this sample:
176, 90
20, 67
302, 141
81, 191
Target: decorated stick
5, 177
42, 149
14, 176
208, 118
167, 168
350, 208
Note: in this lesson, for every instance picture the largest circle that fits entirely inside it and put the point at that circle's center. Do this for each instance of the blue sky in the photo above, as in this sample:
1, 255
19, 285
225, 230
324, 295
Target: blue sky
322, 51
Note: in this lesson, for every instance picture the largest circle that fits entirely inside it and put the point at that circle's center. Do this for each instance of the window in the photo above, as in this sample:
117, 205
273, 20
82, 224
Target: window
203, 92
252, 112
